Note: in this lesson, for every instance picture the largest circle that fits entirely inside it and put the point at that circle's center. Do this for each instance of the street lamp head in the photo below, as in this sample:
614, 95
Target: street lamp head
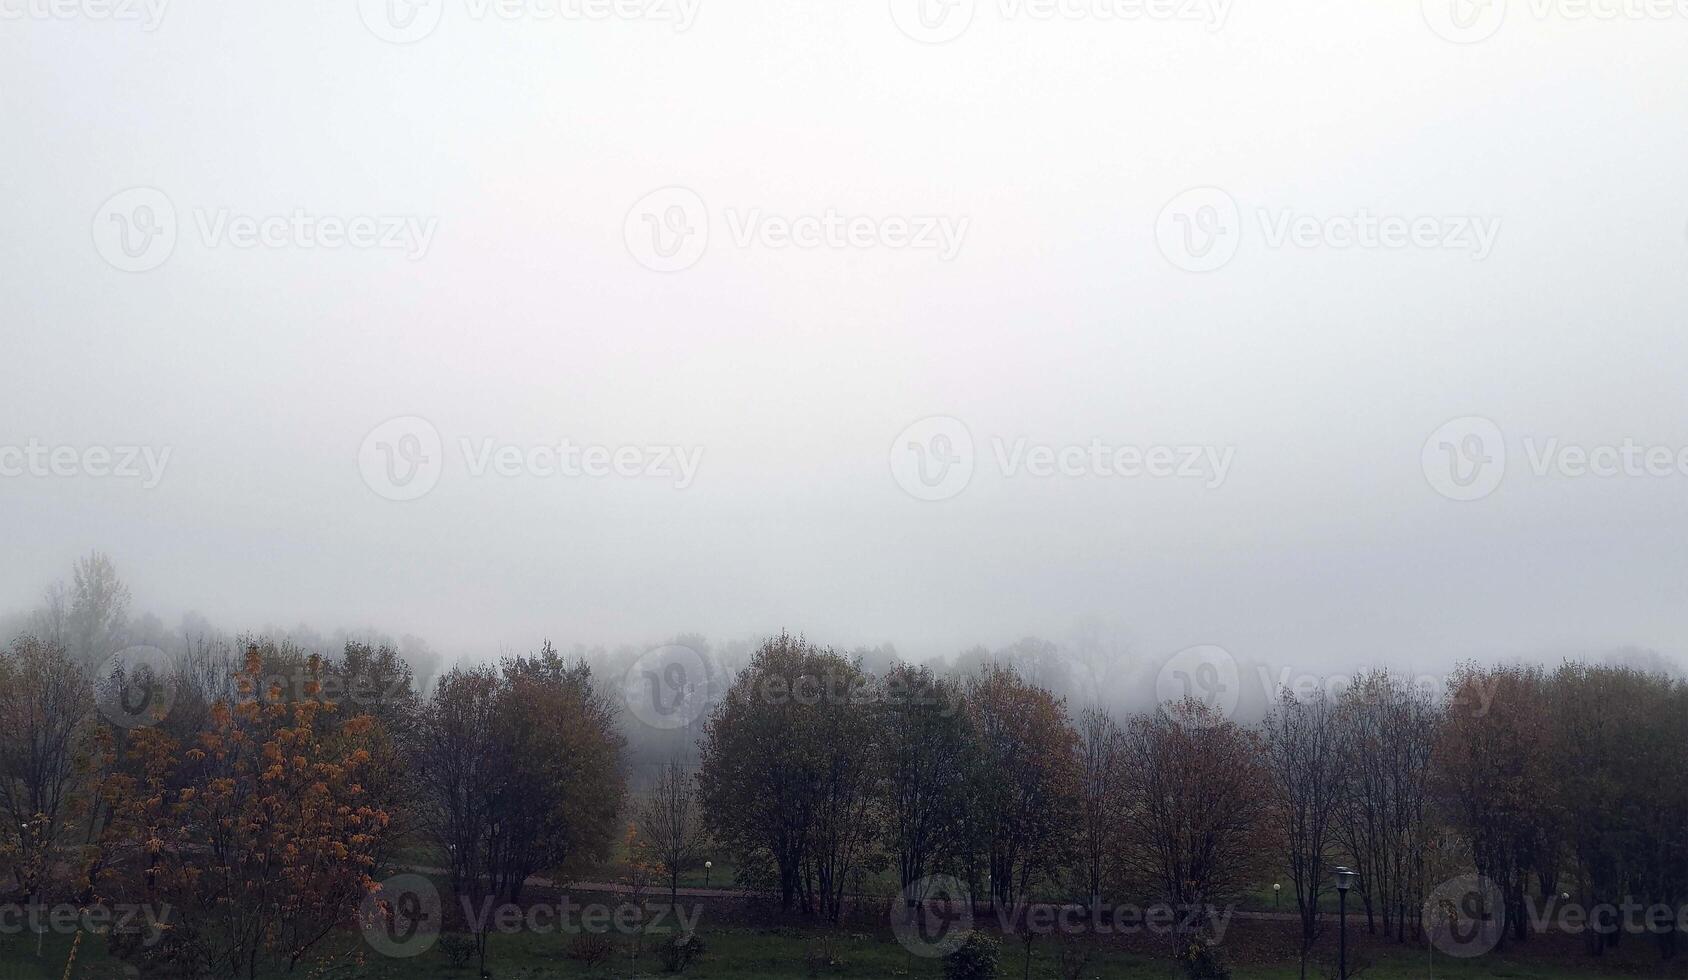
1345, 879
709, 864
1277, 887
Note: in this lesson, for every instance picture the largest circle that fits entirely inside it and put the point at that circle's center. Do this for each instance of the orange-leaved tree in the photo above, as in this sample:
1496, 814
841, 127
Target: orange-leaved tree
257, 833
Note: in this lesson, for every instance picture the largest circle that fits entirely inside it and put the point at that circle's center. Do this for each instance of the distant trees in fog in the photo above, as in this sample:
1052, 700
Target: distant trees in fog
260, 787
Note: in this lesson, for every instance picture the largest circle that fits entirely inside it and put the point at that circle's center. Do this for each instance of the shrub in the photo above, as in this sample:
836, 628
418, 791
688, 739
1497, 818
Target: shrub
975, 959
680, 950
1203, 960
458, 949
823, 956
1075, 957
590, 949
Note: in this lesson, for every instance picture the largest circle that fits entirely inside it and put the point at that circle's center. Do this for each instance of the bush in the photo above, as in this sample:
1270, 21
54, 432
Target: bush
458, 949
1203, 960
823, 956
975, 959
590, 949
679, 951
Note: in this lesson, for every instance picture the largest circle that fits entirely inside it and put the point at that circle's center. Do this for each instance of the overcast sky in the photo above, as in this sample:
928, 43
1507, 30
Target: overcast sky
1400, 217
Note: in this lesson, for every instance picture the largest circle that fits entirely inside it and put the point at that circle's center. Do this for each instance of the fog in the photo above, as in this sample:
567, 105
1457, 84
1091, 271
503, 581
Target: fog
996, 232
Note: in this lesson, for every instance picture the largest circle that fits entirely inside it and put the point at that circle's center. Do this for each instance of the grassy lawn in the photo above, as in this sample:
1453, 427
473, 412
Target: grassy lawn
746, 952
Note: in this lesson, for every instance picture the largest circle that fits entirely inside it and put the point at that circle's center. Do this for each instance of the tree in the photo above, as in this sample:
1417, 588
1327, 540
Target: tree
1492, 765
1198, 824
521, 773
258, 834
1303, 755
926, 746
1100, 744
672, 825
99, 606
46, 703
1027, 780
789, 771
1387, 734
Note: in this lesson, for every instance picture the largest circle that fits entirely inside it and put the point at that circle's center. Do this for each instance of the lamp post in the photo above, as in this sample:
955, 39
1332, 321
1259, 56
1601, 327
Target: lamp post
706, 866
1277, 889
1344, 880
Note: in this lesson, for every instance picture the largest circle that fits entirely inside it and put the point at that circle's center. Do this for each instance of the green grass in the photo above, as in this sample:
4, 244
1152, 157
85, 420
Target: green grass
744, 952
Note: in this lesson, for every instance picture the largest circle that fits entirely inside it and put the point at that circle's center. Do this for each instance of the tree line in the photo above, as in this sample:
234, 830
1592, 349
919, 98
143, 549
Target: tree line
260, 790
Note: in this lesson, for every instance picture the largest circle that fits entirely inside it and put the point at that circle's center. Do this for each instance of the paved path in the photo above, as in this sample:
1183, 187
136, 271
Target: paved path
658, 891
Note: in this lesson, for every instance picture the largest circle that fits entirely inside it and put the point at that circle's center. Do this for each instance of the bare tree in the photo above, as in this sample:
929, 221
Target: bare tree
1100, 746
1388, 731
925, 742
1198, 823
672, 824
99, 606
1303, 753
45, 704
